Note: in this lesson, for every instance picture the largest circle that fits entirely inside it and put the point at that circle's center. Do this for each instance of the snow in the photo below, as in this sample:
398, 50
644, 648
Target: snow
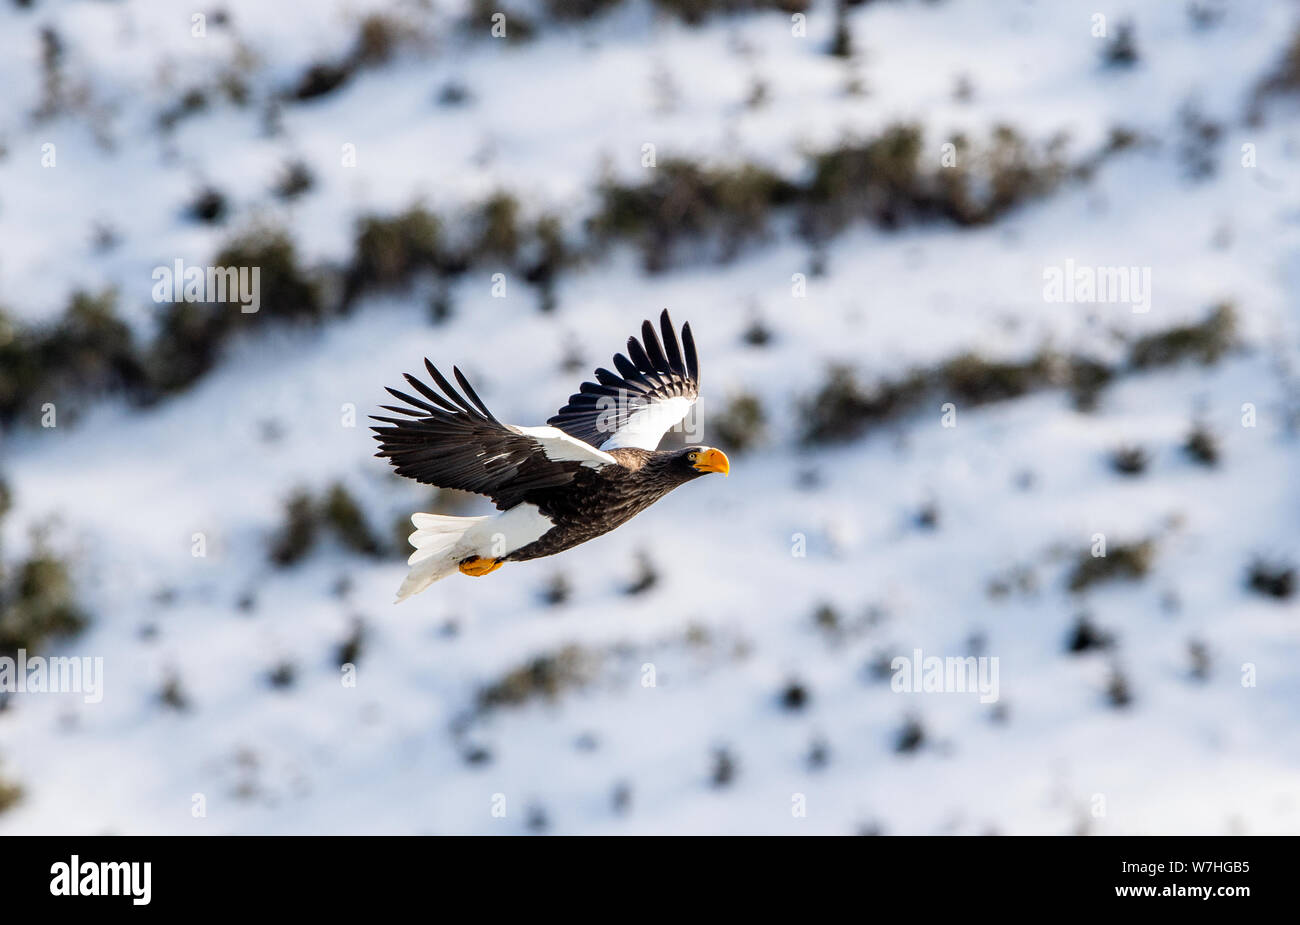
128, 489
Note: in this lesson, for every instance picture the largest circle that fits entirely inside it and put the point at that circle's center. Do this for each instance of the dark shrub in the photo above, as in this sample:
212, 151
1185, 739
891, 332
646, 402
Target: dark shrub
910, 737
1204, 342
794, 696
295, 180
1121, 51
1271, 578
741, 423
546, 676
1086, 636
342, 514
298, 533
38, 604
208, 206
319, 79
1202, 446
1125, 560
647, 576
724, 769
389, 251
1129, 460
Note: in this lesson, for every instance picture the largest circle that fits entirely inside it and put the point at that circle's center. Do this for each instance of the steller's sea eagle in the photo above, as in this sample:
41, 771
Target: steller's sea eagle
595, 466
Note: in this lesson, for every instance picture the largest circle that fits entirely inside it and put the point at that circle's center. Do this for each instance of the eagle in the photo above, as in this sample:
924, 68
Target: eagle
593, 467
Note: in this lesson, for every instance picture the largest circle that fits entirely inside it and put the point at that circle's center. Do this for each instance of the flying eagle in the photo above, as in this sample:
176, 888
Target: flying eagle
594, 467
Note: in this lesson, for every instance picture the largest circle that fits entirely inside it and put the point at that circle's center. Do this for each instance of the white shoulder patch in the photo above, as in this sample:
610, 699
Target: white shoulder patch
646, 426
560, 447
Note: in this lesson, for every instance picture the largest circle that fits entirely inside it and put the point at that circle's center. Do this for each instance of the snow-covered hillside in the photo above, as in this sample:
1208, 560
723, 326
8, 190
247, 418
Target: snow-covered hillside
774, 600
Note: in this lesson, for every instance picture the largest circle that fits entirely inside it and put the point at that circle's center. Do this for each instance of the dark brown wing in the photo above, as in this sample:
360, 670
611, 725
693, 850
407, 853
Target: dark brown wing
455, 442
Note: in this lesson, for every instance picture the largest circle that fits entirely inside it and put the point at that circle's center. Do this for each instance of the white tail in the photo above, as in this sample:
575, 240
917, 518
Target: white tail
440, 544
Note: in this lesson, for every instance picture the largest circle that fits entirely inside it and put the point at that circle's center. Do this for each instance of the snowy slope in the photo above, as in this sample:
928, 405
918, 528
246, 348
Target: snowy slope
731, 620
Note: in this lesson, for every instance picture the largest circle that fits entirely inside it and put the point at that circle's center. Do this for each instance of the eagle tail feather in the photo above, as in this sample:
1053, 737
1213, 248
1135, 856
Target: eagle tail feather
439, 547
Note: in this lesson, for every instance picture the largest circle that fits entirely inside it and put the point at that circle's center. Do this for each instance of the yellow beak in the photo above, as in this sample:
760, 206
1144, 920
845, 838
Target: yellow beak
713, 461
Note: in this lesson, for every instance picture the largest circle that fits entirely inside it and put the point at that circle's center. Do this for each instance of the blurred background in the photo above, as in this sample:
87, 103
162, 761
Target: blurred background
861, 208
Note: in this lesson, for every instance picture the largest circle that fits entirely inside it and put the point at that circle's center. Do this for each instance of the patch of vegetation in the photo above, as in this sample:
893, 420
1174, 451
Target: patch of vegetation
191, 335
557, 591
283, 675
544, 677
819, 755
1087, 379
297, 535
378, 38
794, 696
191, 102
1198, 141
972, 380
1019, 578
536, 820
842, 40
621, 798
454, 93
496, 222
826, 618
1202, 446
10, 794
295, 180
910, 737
684, 202
350, 649
1118, 692
89, 351
1129, 561
724, 769
1204, 342
740, 425
843, 407
208, 206
646, 578
305, 517
320, 79
387, 252
1129, 460
1122, 51
1086, 636
1272, 578
172, 694
696, 12
340, 512
1285, 76
756, 334
37, 603
1198, 656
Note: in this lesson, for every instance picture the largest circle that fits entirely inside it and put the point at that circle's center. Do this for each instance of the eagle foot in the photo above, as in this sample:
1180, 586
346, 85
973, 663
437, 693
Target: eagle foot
478, 567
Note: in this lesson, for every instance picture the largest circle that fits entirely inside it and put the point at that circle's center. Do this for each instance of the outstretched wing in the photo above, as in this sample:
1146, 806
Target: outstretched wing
654, 389
452, 441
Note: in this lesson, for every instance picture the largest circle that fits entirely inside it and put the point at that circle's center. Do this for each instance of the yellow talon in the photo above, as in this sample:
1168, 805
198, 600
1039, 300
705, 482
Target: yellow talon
479, 567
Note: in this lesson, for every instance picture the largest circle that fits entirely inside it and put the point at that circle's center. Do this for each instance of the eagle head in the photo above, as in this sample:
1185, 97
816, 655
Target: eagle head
695, 461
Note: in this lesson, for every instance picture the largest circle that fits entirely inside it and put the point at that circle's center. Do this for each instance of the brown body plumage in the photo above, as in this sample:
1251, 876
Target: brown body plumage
598, 500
